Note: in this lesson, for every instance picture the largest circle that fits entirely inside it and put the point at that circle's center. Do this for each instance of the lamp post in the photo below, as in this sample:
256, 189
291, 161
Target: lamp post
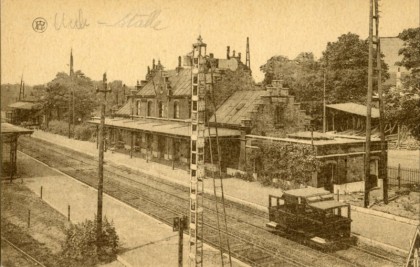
101, 162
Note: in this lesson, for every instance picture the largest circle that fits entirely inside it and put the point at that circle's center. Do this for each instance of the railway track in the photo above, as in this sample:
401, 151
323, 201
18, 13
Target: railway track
28, 258
162, 199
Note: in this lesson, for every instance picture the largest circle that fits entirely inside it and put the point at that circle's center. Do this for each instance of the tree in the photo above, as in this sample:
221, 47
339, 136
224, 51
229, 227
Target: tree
57, 95
403, 106
346, 65
411, 57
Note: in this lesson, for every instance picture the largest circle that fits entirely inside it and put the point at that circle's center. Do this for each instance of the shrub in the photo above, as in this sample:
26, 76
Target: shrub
58, 127
80, 243
84, 132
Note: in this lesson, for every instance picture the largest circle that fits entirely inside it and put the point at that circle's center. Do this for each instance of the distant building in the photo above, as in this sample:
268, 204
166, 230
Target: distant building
26, 112
390, 47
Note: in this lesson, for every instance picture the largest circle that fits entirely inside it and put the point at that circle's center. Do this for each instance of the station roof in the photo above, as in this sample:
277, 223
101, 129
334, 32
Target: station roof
24, 105
180, 82
239, 106
307, 192
7, 128
161, 126
354, 108
335, 140
327, 205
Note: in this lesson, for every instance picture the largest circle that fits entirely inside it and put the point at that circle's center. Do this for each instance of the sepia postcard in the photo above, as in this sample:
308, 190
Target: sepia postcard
210, 133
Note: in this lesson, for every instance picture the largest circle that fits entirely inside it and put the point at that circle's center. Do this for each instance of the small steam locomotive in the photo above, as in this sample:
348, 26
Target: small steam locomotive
311, 216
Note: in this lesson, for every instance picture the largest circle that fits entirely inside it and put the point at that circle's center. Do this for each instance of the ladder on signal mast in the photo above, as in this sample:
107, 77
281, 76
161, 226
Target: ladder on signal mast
219, 198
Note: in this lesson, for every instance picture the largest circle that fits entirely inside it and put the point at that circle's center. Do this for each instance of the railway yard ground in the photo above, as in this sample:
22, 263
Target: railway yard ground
153, 189
142, 238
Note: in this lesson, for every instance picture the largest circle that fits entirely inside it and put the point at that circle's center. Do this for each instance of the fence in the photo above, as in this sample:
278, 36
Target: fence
403, 176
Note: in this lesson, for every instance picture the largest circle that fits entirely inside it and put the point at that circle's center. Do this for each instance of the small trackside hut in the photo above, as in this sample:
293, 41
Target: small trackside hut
311, 216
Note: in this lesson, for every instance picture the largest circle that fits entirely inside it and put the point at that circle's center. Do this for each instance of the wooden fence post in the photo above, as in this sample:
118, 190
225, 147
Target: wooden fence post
399, 176
68, 213
41, 192
29, 218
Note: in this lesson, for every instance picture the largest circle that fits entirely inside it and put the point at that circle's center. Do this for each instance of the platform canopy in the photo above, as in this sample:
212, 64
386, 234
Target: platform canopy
354, 108
7, 128
161, 126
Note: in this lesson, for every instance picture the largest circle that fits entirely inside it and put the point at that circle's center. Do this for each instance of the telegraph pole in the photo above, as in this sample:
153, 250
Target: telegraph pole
101, 163
324, 111
369, 110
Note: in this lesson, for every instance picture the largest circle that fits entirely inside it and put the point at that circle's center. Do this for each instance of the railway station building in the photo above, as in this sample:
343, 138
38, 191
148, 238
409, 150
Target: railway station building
342, 158
154, 123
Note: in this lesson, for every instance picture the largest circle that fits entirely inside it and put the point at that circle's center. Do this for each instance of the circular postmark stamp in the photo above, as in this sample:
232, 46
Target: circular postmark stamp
39, 25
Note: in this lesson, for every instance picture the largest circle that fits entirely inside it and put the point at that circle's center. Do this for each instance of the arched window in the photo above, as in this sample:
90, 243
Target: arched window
176, 110
160, 109
138, 108
149, 108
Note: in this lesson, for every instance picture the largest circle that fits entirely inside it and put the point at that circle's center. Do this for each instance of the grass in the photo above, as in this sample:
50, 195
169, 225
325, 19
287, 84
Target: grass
43, 239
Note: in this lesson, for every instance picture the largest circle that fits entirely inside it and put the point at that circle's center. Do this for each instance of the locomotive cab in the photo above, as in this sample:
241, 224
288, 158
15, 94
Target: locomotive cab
312, 216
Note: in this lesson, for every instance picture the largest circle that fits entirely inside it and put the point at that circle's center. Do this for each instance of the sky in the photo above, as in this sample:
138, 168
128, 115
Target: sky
122, 37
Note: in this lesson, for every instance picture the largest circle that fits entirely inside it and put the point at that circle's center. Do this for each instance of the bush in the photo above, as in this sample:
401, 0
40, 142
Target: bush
58, 127
80, 243
84, 132
246, 176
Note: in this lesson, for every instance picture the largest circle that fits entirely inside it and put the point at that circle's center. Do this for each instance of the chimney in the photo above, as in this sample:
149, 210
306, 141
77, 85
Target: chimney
239, 56
153, 64
233, 53
148, 69
179, 61
138, 86
228, 52
211, 55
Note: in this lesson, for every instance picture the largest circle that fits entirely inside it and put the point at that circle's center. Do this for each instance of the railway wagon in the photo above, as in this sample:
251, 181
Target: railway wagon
311, 216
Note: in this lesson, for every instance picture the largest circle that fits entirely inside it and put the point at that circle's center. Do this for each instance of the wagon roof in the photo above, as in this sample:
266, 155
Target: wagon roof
327, 205
306, 192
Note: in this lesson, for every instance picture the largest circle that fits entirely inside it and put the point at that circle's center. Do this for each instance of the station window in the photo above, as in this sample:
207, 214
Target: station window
193, 158
195, 79
160, 109
138, 108
149, 108
194, 107
176, 110
194, 145
195, 89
